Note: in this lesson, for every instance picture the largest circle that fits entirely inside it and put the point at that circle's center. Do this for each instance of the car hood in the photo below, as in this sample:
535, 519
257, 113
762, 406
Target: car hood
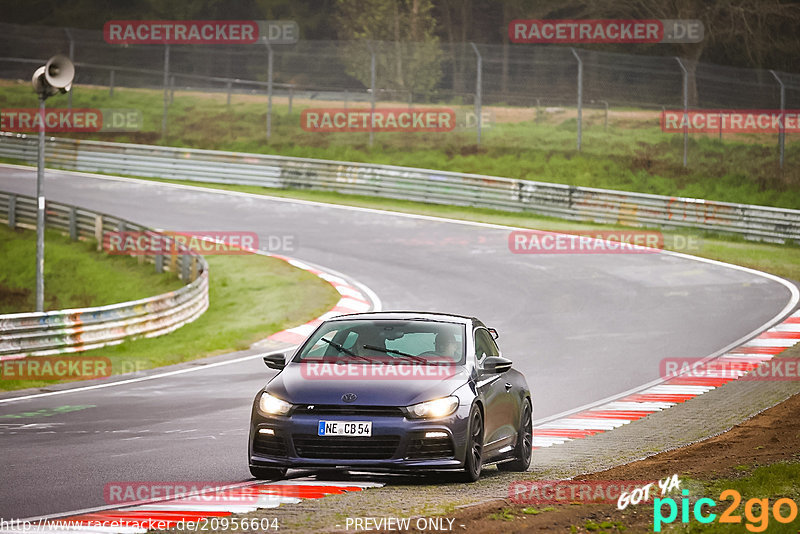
297, 385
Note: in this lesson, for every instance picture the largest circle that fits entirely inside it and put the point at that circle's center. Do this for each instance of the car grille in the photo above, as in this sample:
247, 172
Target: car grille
345, 448
269, 445
336, 409
431, 448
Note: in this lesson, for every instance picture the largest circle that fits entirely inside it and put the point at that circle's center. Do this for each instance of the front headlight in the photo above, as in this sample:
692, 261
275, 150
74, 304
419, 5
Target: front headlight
433, 409
270, 405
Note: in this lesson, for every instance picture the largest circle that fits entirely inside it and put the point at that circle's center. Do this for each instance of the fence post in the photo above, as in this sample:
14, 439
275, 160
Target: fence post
12, 211
166, 92
291, 97
269, 90
111, 84
98, 231
782, 125
478, 91
159, 262
73, 223
374, 92
605, 121
580, 97
193, 269
685, 110
229, 85
185, 267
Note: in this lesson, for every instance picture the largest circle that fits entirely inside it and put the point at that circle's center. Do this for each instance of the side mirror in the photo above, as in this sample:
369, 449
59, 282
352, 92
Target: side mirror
496, 365
276, 360
493, 332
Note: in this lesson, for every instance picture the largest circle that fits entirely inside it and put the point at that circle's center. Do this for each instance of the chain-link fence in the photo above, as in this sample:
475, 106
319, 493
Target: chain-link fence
484, 84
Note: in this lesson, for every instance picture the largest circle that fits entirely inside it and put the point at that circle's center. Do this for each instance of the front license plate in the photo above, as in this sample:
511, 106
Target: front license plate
344, 428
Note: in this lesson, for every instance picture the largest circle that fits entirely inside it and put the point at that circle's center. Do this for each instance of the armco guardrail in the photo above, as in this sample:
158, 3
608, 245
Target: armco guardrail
63, 331
577, 203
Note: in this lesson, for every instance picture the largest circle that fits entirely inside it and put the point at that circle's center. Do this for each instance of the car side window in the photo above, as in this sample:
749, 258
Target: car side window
484, 345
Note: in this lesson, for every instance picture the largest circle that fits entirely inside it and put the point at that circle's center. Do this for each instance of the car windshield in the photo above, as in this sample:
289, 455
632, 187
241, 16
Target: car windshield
415, 342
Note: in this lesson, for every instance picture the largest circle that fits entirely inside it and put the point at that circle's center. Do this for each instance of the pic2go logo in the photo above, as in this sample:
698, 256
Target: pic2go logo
756, 511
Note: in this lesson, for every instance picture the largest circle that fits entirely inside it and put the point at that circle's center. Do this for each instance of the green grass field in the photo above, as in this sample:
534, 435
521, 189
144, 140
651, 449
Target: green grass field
759, 488
633, 155
76, 275
264, 295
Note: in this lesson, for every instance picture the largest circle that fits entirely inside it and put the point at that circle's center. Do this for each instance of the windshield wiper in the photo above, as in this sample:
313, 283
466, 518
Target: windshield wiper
346, 351
399, 353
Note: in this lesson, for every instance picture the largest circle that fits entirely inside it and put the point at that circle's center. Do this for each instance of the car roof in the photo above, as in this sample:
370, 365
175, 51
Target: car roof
410, 315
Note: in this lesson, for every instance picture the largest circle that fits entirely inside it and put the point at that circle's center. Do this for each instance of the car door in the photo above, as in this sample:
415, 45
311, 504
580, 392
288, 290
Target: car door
500, 406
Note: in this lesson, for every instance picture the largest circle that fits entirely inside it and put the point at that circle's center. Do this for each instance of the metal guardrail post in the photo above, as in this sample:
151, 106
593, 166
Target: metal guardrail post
685, 111
478, 91
580, 97
98, 231
73, 223
185, 267
291, 97
193, 269
782, 132
158, 260
12, 211
111, 84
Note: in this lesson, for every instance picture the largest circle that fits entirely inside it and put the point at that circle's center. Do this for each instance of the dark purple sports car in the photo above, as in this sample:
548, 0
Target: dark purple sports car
398, 391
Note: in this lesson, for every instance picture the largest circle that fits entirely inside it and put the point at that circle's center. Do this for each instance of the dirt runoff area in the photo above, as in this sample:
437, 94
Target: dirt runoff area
770, 437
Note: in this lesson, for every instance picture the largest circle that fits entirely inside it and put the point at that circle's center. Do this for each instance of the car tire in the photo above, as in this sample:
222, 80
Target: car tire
523, 451
267, 473
473, 459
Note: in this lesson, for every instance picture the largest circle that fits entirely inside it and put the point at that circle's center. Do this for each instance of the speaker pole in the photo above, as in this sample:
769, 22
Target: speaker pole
54, 77
40, 213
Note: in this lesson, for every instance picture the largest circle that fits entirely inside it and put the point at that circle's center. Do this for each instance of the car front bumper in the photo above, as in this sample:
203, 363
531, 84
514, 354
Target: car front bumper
397, 442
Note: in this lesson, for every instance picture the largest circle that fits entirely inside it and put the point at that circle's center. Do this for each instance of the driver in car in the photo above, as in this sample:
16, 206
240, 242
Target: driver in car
446, 346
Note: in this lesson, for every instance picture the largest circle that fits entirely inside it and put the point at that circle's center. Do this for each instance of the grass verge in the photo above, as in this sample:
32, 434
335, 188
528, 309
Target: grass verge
251, 297
75, 276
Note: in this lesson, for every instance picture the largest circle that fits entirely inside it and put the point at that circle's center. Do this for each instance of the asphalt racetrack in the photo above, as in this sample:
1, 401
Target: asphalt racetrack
581, 327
